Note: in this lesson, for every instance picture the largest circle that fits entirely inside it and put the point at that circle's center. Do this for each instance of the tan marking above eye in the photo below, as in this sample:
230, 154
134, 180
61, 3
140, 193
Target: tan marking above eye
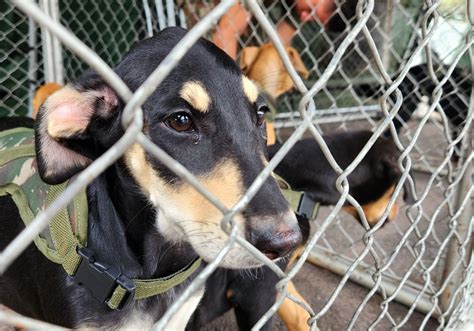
196, 95
250, 89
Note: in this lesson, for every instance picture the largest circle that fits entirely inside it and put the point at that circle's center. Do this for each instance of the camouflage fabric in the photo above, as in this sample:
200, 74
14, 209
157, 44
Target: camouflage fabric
19, 179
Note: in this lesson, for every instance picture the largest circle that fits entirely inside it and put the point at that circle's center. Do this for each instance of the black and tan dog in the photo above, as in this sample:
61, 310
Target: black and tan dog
142, 218
371, 183
306, 169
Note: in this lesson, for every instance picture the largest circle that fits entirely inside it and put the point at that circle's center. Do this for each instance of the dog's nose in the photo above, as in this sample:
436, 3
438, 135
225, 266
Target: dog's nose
277, 241
280, 245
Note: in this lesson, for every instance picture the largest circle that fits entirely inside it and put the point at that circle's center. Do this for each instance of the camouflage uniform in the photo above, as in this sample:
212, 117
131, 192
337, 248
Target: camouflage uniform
20, 180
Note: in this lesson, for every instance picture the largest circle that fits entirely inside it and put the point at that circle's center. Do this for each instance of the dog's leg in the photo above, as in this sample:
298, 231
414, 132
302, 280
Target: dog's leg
374, 210
293, 315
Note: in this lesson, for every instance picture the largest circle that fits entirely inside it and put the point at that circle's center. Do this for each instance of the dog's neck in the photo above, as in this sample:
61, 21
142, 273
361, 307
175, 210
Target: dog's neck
122, 231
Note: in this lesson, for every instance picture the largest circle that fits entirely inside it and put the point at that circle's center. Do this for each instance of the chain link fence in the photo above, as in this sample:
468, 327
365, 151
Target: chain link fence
20, 56
357, 71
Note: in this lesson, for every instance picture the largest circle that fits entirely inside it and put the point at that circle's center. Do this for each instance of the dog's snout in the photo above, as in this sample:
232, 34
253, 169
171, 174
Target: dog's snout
276, 240
279, 245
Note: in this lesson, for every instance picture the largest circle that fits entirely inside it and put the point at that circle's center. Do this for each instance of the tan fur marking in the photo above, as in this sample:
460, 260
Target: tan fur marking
196, 95
41, 94
63, 103
184, 214
293, 315
374, 210
229, 294
250, 89
224, 182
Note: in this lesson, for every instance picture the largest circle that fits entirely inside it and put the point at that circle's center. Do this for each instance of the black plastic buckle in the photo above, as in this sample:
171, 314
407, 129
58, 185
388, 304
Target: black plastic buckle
102, 279
306, 206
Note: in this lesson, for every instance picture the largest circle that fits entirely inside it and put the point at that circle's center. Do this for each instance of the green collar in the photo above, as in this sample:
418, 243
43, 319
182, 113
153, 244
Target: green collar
65, 242
299, 201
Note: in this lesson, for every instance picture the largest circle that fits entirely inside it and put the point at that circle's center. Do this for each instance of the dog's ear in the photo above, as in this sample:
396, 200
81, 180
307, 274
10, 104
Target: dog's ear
62, 129
41, 94
247, 57
297, 62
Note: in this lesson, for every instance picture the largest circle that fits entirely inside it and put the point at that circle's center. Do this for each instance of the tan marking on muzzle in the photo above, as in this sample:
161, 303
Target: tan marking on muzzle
224, 182
196, 95
185, 214
250, 89
374, 210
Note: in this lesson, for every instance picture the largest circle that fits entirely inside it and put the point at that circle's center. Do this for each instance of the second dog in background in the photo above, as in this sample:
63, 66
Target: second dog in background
372, 182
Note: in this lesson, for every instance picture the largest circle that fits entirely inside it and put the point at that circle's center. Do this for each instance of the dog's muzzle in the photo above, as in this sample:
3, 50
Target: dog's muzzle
275, 236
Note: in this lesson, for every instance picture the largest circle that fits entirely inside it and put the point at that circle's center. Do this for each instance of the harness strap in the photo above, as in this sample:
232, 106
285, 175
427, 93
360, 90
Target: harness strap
101, 279
63, 237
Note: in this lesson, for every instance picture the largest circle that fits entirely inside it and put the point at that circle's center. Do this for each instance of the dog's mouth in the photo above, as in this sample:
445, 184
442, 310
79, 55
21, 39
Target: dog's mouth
208, 239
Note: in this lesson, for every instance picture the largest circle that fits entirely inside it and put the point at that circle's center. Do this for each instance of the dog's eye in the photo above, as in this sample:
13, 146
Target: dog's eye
180, 122
261, 115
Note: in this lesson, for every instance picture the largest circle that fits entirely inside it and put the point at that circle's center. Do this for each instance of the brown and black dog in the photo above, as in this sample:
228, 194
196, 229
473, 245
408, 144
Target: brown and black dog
143, 218
371, 183
264, 66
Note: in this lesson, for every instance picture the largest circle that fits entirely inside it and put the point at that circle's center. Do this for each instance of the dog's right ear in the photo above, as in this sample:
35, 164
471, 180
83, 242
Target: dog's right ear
297, 62
63, 123
247, 57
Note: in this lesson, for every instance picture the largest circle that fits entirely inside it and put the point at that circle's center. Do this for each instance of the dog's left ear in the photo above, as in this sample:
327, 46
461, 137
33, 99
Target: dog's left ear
247, 57
297, 62
64, 144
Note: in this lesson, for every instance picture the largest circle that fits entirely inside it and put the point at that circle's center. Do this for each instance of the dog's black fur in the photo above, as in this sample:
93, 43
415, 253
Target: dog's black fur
14, 122
122, 222
306, 168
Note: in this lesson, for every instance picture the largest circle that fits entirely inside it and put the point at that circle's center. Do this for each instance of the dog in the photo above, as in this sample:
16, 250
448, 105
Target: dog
264, 66
371, 183
225, 286
142, 218
418, 84
306, 169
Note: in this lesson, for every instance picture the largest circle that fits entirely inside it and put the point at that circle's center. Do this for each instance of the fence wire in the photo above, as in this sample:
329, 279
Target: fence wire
424, 261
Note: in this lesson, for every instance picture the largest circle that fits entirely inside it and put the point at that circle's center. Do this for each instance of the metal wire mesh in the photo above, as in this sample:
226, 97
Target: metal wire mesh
424, 261
21, 58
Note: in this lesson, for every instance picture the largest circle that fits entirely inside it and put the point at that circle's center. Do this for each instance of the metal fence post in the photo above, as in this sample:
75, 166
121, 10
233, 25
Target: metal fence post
52, 50
455, 259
